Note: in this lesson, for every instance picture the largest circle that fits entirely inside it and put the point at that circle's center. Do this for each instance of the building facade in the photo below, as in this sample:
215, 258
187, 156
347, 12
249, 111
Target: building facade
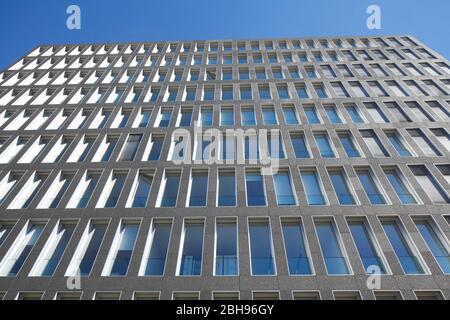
321, 170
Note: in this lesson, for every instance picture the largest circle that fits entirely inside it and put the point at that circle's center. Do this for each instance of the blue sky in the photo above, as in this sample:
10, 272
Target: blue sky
27, 23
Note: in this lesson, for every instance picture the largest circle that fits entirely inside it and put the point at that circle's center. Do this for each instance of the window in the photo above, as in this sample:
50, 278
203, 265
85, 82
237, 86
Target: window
51, 254
306, 295
445, 171
358, 89
407, 256
28, 192
340, 182
130, 148
339, 90
295, 247
7, 184
203, 147
375, 112
185, 117
368, 251
140, 190
122, 247
301, 91
121, 119
283, 92
255, 188
266, 295
387, 295
227, 188
373, 143
347, 142
397, 142
13, 149
269, 116
438, 109
311, 115
189, 94
227, 93
370, 185
429, 295
112, 190
442, 136
283, 188
264, 92
324, 146
227, 148
435, 240
155, 252
424, 143
87, 249
163, 119
198, 188
5, 229
154, 148
225, 295
84, 190
18, 253
261, 249
226, 116
397, 182
331, 247
418, 111
354, 114
226, 258
106, 149
191, 248
248, 116
206, 117
275, 145
290, 115
320, 91
246, 93
30, 295
56, 190
208, 93
299, 144
313, 187
429, 184
398, 112
169, 189
333, 115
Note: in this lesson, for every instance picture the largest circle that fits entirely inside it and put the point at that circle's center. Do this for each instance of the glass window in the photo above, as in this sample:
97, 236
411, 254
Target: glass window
155, 254
226, 117
246, 93
331, 248
164, 119
248, 117
375, 112
191, 249
84, 190
397, 182
424, 143
269, 116
255, 189
264, 92
371, 189
141, 190
185, 117
301, 91
407, 257
290, 115
295, 247
349, 147
227, 93
312, 187
418, 111
56, 191
443, 137
226, 248
373, 143
156, 147
368, 252
283, 188
261, 250
170, 186
130, 148
227, 147
227, 189
198, 189
112, 190
275, 145
429, 184
436, 242
396, 140
251, 147
354, 114
311, 115
333, 115
340, 184
206, 117
398, 112
320, 91
299, 145
324, 146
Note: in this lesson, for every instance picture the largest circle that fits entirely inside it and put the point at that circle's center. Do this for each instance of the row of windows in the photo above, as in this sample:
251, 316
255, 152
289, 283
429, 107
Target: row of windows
231, 295
245, 92
166, 196
135, 76
228, 146
226, 248
213, 46
140, 117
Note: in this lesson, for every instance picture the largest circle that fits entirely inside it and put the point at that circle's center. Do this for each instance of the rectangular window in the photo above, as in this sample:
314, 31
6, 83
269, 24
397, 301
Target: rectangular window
119, 256
311, 115
397, 142
302, 92
51, 254
443, 137
185, 117
227, 93
254, 183
436, 242
324, 146
251, 147
84, 190
370, 185
169, 189
5, 229
7, 184
56, 190
140, 190
429, 184
226, 256
106, 149
290, 115
375, 112
320, 91
299, 144
283, 188
424, 143
156, 248
130, 148
191, 248
399, 185
398, 112
226, 116
248, 116
227, 188
264, 92
439, 109
163, 119
155, 147
261, 248
407, 256
28, 192
18, 253
333, 115
353, 113
198, 188
445, 171
340, 183
368, 251
283, 92
418, 111
206, 117
275, 145
374, 143
295, 247
269, 116
331, 247
347, 142
112, 190
88, 248
313, 187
